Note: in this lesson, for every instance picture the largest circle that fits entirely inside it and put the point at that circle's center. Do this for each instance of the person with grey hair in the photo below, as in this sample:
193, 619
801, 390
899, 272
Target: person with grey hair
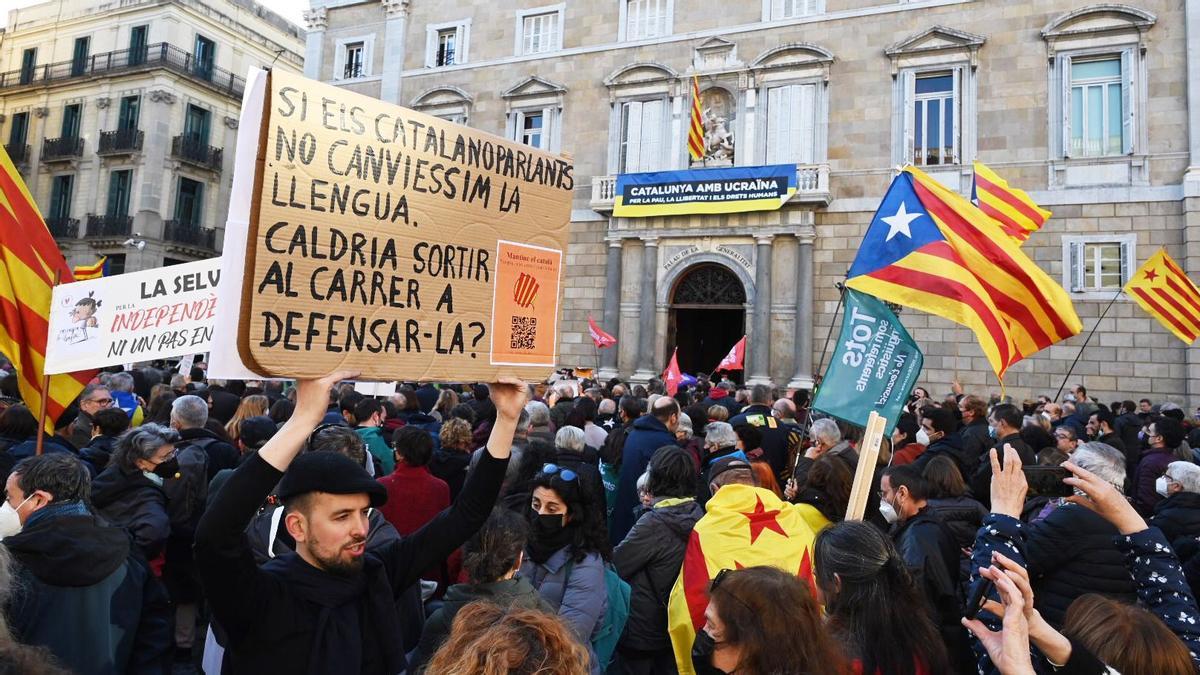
129, 493
572, 452
1178, 514
780, 441
570, 439
75, 570
719, 439
124, 398
539, 420
189, 416
1071, 552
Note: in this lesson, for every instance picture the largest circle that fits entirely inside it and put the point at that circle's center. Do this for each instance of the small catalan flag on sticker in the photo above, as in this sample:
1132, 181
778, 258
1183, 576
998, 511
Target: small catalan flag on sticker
525, 290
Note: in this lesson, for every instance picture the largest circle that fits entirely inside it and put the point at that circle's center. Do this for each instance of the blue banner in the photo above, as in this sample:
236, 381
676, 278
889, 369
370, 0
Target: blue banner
725, 190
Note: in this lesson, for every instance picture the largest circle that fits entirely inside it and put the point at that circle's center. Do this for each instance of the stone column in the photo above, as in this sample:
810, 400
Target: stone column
612, 308
803, 379
760, 337
396, 12
315, 22
646, 367
156, 115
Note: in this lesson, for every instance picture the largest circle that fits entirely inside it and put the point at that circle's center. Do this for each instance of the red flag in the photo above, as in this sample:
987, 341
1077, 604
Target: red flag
671, 375
601, 339
735, 359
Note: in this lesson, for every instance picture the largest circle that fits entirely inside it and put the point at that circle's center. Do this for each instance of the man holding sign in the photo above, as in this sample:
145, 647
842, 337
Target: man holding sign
329, 606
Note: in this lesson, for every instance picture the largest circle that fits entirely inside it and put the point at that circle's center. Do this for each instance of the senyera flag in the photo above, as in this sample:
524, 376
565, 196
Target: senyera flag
696, 127
1013, 210
1167, 294
930, 249
735, 359
525, 290
96, 270
601, 339
672, 375
30, 263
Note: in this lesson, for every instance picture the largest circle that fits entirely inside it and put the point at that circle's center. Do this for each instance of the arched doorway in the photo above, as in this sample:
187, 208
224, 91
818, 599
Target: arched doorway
707, 317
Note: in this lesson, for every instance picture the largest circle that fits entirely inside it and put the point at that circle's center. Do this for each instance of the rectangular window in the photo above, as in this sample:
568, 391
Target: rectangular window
790, 9
541, 33
137, 45
353, 61
127, 120
1098, 263
120, 183
115, 263
447, 39
19, 131
934, 112
531, 129
1097, 111
642, 136
205, 57
189, 202
791, 128
645, 19
79, 58
454, 118
447, 44
70, 124
195, 124
28, 64
60, 196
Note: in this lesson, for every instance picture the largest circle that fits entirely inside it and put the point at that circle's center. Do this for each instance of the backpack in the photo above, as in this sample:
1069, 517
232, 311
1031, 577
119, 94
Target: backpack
615, 615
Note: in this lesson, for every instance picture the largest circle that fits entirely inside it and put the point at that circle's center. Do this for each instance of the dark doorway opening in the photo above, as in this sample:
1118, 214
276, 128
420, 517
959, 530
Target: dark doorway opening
707, 317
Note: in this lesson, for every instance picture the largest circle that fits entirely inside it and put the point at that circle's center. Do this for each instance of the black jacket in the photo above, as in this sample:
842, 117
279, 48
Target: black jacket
515, 593
981, 481
650, 558
85, 594
221, 455
451, 466
129, 500
950, 445
962, 516
1069, 553
96, 453
1178, 516
224, 404
779, 440
975, 444
931, 555
290, 617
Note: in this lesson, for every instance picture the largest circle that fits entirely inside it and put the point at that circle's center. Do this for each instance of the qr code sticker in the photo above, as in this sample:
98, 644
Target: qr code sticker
524, 332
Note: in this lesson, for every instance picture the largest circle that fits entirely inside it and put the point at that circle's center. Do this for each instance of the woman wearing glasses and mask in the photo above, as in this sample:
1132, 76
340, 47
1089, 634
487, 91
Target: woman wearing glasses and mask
567, 550
129, 493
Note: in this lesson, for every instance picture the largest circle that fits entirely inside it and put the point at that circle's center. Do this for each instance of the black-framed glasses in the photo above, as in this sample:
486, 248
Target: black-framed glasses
565, 474
719, 578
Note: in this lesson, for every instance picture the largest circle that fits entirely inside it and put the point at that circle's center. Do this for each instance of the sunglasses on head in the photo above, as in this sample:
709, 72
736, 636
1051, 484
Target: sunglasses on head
565, 474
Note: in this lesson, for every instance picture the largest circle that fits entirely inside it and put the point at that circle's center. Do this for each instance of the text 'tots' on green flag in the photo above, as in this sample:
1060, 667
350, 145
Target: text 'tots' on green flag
874, 367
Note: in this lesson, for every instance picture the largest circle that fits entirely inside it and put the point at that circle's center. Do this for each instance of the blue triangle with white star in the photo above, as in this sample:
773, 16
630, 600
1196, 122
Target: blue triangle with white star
900, 226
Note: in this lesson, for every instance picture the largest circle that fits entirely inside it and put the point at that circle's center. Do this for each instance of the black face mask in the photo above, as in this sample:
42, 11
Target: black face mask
167, 469
547, 524
702, 655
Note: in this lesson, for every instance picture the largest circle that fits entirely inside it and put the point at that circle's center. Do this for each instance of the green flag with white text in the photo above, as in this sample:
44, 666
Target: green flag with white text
874, 367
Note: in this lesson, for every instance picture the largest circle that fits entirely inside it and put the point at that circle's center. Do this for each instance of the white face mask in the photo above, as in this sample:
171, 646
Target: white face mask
888, 512
1160, 485
10, 522
922, 437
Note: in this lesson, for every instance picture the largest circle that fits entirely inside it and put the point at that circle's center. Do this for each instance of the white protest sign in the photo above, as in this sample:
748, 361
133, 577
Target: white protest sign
140, 316
185, 364
375, 388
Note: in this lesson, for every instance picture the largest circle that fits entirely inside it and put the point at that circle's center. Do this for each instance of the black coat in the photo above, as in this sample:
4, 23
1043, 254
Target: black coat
96, 453
274, 615
931, 555
975, 443
129, 500
1069, 553
962, 516
981, 481
83, 592
221, 455
950, 445
224, 404
650, 558
779, 440
1178, 516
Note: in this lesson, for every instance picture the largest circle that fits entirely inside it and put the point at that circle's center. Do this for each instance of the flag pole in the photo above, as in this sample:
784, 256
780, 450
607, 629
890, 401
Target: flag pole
1085, 343
41, 437
833, 322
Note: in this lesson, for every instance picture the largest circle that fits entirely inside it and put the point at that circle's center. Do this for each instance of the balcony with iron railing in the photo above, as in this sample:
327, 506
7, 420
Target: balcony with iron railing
60, 149
18, 153
194, 151
63, 228
187, 234
108, 226
812, 187
158, 55
120, 142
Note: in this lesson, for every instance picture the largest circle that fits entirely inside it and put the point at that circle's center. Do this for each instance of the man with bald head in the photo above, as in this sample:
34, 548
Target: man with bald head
649, 433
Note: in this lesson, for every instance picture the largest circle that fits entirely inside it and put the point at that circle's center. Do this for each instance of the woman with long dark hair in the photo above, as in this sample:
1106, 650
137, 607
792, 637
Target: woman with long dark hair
875, 610
567, 550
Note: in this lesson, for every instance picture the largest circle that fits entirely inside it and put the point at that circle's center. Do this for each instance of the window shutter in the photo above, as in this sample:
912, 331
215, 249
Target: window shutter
956, 116
777, 9
775, 105
1075, 268
1126, 260
652, 135
806, 116
1128, 102
430, 47
908, 130
633, 136
1064, 74
549, 121
512, 126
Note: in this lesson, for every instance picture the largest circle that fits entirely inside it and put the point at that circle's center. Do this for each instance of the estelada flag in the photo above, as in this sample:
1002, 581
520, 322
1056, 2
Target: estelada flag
735, 359
743, 526
525, 290
672, 375
1167, 294
601, 339
96, 270
930, 249
1013, 210
29, 263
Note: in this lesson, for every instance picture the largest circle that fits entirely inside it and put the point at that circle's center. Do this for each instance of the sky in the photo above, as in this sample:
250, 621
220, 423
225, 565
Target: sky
292, 10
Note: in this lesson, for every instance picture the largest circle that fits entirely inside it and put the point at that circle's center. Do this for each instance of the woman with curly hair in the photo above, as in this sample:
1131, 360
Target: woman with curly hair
567, 550
488, 640
451, 460
251, 406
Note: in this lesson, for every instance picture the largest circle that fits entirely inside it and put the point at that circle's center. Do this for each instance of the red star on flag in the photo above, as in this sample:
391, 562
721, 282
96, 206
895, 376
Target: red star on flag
762, 519
1151, 275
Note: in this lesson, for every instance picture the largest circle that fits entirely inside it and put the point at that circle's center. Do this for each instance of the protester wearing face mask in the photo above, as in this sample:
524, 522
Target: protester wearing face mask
751, 626
928, 550
129, 493
939, 430
1004, 423
567, 549
79, 582
1178, 514
907, 440
1163, 436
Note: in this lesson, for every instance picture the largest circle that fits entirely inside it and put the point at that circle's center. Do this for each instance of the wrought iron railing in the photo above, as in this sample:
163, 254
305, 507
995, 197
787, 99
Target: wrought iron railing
120, 141
180, 232
109, 226
195, 151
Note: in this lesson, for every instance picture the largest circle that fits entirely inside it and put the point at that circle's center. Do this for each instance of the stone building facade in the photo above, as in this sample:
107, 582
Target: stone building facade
121, 117
1092, 108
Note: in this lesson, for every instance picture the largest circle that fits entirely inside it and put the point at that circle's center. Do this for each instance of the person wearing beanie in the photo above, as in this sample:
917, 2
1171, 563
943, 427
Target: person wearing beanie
330, 605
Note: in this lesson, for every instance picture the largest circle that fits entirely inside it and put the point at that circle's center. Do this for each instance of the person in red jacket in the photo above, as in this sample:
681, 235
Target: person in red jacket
415, 495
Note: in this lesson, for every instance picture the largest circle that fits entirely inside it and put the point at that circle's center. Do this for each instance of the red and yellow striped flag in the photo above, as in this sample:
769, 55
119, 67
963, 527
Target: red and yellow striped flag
743, 526
29, 260
1010, 207
696, 129
1165, 292
93, 271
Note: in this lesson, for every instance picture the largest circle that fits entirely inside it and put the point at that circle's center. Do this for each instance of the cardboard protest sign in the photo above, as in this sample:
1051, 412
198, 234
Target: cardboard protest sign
397, 244
140, 316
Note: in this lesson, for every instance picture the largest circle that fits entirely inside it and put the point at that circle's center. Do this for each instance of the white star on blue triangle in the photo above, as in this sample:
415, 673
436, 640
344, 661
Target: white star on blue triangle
900, 226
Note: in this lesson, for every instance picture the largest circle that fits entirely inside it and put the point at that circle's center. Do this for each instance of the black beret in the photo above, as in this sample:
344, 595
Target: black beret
256, 431
330, 472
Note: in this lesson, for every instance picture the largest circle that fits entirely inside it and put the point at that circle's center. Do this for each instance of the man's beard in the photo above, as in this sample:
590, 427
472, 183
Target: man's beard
339, 566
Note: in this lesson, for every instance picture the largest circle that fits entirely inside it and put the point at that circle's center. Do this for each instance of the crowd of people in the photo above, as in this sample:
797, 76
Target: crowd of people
577, 526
